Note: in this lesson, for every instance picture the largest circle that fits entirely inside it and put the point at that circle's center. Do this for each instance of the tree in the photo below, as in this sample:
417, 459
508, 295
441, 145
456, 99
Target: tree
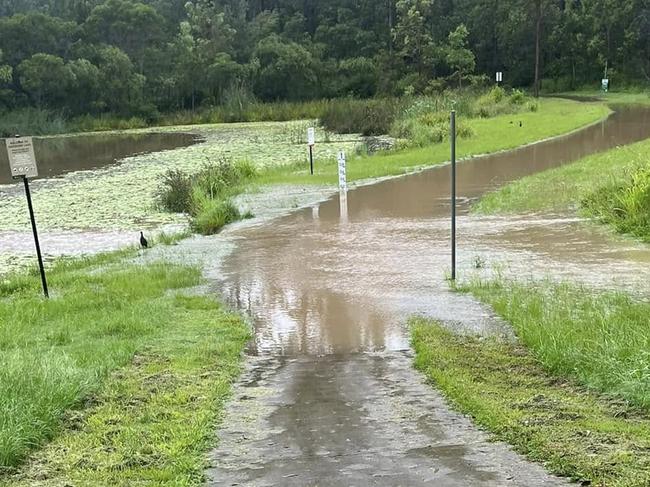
45, 78
130, 25
22, 36
412, 36
286, 70
459, 57
6, 72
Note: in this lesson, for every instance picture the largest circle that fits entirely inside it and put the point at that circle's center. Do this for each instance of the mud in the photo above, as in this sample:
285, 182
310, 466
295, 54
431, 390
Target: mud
329, 397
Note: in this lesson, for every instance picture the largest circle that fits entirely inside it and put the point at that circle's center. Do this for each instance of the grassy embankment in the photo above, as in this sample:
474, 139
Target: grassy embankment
120, 371
613, 187
572, 393
501, 132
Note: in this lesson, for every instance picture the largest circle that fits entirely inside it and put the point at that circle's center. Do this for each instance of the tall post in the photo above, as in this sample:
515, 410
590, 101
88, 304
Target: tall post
311, 159
453, 194
38, 246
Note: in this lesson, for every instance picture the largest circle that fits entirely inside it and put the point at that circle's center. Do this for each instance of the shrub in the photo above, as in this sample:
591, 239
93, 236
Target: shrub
624, 205
175, 194
517, 97
428, 128
205, 196
366, 117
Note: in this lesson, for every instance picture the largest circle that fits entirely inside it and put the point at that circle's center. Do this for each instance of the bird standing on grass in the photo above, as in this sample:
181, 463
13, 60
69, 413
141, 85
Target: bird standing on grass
143, 241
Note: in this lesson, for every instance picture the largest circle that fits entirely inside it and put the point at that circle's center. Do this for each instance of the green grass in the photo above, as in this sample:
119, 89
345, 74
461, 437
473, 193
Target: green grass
124, 376
503, 388
553, 117
599, 339
613, 187
570, 183
207, 195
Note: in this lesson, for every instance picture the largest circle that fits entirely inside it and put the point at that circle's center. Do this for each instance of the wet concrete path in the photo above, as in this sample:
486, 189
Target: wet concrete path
329, 397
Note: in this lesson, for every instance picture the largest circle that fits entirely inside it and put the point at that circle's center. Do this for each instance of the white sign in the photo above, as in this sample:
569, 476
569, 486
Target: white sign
499, 76
22, 160
343, 183
311, 136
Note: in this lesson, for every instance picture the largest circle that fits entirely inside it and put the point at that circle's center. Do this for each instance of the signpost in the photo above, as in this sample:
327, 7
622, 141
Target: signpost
604, 85
453, 194
311, 141
499, 77
22, 164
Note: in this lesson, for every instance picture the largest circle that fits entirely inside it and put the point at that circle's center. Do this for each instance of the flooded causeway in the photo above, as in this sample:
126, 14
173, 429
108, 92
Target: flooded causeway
329, 396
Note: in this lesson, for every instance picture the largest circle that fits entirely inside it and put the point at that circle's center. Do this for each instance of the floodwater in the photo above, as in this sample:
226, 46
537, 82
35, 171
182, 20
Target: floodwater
59, 155
329, 397
341, 278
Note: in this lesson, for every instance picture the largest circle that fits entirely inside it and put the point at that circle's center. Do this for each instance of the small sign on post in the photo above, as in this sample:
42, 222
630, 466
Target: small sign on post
22, 160
311, 142
22, 164
499, 77
604, 85
343, 182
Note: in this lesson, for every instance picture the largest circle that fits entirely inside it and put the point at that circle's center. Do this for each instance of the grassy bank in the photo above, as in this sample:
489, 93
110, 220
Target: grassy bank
613, 186
573, 392
573, 432
118, 379
552, 117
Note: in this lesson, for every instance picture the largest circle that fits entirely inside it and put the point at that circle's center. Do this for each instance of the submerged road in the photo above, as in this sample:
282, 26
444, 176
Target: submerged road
329, 396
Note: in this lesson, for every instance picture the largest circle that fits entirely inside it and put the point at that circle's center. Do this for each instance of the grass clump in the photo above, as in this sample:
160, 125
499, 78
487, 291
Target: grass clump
624, 205
575, 433
206, 195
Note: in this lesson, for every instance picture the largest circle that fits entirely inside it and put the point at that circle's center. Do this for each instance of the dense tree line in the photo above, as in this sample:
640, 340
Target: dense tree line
143, 57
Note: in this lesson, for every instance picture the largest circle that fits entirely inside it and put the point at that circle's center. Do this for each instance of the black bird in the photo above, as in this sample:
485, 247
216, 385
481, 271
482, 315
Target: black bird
521, 124
143, 241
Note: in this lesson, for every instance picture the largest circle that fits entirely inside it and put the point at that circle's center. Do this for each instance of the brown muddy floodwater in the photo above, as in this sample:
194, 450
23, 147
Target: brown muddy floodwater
336, 279
59, 155
329, 397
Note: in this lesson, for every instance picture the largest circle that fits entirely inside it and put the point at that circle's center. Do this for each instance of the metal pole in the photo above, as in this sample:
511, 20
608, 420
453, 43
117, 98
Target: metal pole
453, 194
38, 246
311, 160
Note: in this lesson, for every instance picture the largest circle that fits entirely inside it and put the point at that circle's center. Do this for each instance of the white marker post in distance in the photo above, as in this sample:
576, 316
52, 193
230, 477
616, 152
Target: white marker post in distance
311, 142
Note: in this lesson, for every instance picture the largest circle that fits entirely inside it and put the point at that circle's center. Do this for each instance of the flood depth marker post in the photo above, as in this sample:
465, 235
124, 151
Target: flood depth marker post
452, 137
22, 163
311, 141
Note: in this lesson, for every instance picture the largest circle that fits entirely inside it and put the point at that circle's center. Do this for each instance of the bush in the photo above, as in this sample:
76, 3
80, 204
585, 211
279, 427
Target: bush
428, 128
624, 205
205, 196
517, 97
175, 195
366, 117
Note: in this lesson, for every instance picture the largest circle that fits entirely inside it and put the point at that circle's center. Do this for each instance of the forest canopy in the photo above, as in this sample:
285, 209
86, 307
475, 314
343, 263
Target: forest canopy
130, 57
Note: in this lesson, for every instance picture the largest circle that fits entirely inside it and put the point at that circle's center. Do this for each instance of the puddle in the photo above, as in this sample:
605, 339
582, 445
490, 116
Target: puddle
344, 276
60, 155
